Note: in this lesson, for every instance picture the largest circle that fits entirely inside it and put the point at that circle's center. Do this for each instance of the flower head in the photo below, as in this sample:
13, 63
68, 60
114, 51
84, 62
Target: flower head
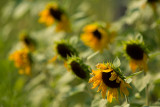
65, 50
22, 61
107, 77
95, 36
152, 3
137, 53
80, 69
54, 14
27, 41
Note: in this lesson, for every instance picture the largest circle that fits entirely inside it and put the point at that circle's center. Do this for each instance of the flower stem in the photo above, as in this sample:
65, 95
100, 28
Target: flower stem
147, 96
127, 100
147, 91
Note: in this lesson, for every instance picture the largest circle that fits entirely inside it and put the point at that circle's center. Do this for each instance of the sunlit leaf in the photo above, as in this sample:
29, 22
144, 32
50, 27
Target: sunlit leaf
116, 62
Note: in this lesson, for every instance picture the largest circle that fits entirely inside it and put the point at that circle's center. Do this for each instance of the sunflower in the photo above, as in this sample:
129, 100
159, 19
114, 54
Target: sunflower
64, 50
28, 42
96, 37
152, 3
107, 77
78, 67
137, 54
53, 13
22, 61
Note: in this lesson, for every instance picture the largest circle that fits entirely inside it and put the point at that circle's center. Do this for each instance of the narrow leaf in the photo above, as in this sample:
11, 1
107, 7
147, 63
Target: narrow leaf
134, 74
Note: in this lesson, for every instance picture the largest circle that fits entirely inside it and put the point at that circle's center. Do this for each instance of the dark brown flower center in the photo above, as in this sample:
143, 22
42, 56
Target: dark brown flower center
111, 84
78, 70
135, 51
64, 50
97, 34
27, 41
152, 1
55, 13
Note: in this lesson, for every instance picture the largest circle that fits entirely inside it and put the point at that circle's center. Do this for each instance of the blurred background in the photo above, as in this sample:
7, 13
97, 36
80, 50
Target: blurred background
51, 84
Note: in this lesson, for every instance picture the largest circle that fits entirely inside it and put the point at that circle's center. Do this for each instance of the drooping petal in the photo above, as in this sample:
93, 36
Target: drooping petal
115, 93
123, 88
110, 95
96, 83
101, 66
53, 59
113, 76
103, 91
95, 78
133, 65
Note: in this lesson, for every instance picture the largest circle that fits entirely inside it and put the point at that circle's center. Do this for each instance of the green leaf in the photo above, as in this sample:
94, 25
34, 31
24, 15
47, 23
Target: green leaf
141, 81
93, 55
98, 102
129, 80
154, 54
21, 10
116, 62
139, 37
77, 89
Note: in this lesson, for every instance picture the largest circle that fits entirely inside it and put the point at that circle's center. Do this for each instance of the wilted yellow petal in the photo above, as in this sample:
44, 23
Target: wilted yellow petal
113, 76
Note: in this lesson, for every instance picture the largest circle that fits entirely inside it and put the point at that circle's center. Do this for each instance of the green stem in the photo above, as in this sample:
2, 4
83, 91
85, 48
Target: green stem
147, 91
147, 95
127, 100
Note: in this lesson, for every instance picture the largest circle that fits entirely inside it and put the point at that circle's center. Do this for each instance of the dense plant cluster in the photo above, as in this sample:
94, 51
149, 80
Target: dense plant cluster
55, 53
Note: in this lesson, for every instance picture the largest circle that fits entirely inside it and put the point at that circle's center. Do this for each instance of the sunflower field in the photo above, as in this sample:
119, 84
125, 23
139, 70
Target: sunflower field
80, 53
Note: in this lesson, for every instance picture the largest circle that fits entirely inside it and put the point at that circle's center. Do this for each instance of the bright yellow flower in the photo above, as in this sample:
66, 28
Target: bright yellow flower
22, 61
95, 37
107, 78
54, 14
137, 55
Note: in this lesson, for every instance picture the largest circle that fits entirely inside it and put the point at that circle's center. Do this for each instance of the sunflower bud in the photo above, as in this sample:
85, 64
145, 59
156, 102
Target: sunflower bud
27, 41
137, 53
80, 69
65, 50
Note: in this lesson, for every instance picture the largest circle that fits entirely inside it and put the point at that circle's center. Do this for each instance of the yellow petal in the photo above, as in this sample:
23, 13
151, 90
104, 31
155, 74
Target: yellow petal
108, 70
123, 88
118, 80
53, 59
90, 28
110, 95
28, 70
104, 89
113, 76
21, 71
101, 66
95, 78
100, 87
133, 65
96, 83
